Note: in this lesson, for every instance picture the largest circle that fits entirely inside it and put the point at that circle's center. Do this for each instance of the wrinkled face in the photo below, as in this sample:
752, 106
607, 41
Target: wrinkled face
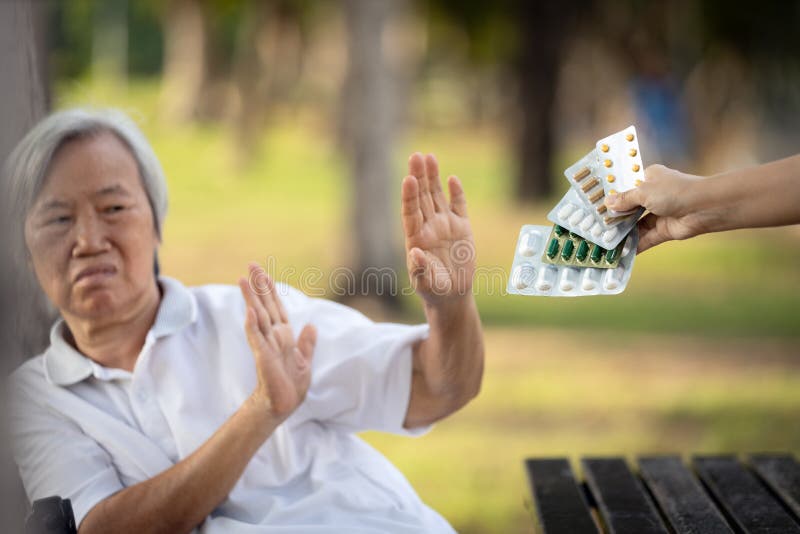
91, 233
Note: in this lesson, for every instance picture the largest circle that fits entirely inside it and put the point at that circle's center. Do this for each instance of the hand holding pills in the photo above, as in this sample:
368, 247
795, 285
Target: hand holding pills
591, 248
681, 205
667, 195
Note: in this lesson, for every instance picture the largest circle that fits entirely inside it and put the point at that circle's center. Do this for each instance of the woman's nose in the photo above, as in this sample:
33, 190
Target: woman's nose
90, 237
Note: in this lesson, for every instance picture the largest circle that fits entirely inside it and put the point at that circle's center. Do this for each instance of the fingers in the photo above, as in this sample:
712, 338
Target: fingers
430, 197
306, 342
629, 200
255, 304
416, 167
655, 171
253, 331
264, 287
649, 235
458, 201
411, 211
432, 172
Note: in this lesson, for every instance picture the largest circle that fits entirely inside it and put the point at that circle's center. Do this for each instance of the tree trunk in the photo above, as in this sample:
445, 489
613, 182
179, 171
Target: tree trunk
368, 125
251, 79
266, 68
544, 31
23, 323
110, 41
185, 66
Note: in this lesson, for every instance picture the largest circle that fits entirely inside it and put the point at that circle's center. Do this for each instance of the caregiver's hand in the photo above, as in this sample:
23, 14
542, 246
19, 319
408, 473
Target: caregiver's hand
669, 196
283, 364
682, 205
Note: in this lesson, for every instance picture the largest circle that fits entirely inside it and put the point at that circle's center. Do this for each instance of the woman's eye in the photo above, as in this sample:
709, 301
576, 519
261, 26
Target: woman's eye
60, 219
114, 209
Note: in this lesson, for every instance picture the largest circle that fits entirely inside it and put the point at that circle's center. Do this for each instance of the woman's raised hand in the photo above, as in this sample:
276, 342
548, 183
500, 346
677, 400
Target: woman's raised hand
440, 249
283, 364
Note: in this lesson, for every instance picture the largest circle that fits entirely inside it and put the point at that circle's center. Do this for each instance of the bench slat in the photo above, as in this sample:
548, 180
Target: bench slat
782, 473
560, 507
681, 497
744, 498
625, 507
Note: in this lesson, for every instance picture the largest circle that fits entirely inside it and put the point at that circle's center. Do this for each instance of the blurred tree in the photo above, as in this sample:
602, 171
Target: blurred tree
110, 41
25, 100
368, 125
544, 32
528, 40
71, 33
185, 60
268, 57
24, 320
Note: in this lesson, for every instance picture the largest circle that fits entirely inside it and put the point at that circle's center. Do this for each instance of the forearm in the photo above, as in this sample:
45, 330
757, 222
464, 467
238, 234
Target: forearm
449, 363
765, 195
179, 499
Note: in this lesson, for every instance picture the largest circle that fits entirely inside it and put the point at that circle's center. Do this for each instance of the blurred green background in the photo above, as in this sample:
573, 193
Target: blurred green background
262, 134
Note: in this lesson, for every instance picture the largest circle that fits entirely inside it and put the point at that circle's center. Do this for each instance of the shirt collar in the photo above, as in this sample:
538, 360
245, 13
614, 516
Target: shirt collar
65, 366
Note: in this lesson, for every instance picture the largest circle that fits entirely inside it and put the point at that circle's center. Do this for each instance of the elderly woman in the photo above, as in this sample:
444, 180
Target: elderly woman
162, 408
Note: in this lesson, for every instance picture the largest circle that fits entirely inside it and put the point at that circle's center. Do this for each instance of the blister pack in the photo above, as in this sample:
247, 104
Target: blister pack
583, 177
531, 275
620, 165
572, 213
567, 248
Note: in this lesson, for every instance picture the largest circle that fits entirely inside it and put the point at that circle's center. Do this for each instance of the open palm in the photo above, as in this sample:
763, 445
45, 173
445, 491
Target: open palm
283, 364
440, 249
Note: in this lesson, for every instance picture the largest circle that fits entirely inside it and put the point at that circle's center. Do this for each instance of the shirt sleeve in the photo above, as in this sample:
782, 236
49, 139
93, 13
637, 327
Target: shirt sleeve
361, 373
55, 457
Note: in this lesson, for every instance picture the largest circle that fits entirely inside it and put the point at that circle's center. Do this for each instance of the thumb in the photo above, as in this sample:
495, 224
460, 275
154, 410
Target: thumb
626, 201
417, 263
306, 342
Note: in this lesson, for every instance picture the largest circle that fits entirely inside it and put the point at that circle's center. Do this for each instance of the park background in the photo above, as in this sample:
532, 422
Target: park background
284, 128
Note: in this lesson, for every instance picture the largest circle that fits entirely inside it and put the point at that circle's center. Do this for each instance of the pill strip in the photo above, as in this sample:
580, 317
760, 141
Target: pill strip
625, 168
583, 177
531, 276
567, 248
572, 213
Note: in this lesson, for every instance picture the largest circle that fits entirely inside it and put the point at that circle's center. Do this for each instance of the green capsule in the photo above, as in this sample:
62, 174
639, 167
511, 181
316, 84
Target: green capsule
597, 253
559, 230
552, 249
566, 253
612, 254
583, 251
573, 235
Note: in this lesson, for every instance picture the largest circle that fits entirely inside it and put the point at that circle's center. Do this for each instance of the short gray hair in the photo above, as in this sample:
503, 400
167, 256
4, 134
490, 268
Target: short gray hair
27, 167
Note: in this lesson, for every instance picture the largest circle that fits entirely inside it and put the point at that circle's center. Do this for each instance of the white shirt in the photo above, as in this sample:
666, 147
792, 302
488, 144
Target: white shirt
84, 432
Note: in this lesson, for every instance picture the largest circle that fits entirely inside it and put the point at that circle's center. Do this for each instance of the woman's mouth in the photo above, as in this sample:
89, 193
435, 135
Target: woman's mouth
95, 274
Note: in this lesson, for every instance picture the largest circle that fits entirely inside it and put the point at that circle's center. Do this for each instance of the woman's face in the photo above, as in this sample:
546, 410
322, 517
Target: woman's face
91, 233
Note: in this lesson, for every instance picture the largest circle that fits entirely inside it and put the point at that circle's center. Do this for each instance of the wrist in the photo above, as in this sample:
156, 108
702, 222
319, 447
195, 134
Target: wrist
712, 205
256, 410
452, 312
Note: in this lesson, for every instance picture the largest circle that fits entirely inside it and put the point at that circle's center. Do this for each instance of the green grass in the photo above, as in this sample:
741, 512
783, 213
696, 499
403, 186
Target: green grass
559, 393
698, 355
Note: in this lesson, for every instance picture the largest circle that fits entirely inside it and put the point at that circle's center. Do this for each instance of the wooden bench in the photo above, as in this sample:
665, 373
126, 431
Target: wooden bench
714, 494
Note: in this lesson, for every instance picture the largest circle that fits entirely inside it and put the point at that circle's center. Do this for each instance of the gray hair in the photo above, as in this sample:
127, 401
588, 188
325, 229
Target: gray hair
27, 167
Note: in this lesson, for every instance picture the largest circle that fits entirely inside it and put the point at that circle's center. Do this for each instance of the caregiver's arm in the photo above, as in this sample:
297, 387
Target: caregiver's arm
181, 497
448, 365
683, 206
